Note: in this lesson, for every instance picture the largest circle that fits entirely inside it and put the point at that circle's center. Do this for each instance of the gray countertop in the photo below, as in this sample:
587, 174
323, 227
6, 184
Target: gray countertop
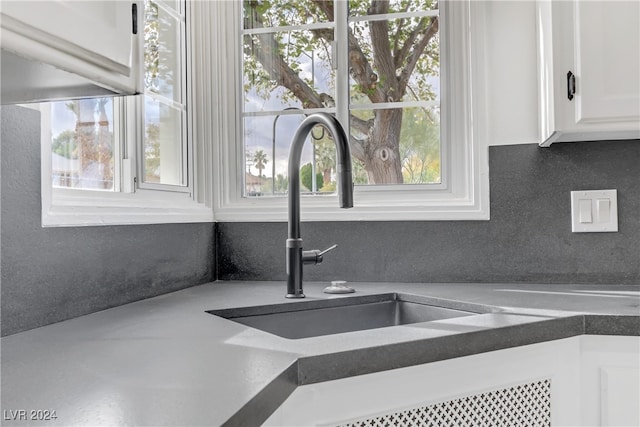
165, 361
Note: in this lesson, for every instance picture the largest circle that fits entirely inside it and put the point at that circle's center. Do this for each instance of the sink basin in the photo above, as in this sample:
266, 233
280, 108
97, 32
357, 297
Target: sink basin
334, 316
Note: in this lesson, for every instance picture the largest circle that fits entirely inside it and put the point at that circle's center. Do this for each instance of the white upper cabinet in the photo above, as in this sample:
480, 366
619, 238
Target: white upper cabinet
62, 49
589, 70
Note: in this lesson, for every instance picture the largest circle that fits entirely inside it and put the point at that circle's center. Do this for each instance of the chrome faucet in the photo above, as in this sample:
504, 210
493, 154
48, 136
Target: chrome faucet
296, 257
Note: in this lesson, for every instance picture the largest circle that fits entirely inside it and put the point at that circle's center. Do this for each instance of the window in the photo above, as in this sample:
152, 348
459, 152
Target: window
290, 66
83, 145
164, 153
401, 76
126, 159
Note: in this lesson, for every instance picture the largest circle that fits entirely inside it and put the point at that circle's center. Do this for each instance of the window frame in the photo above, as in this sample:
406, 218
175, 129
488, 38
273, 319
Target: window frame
465, 193
134, 203
139, 106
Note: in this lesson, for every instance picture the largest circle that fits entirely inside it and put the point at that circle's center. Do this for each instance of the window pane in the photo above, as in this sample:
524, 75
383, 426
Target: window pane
418, 150
395, 61
162, 52
268, 138
280, 13
82, 146
173, 4
287, 69
390, 60
363, 7
371, 80
163, 149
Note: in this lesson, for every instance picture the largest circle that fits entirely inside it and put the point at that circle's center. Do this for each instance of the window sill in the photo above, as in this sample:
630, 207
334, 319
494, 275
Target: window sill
85, 208
367, 207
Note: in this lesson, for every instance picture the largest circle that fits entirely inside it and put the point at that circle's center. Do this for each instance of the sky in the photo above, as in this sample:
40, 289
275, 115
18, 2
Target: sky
259, 129
64, 119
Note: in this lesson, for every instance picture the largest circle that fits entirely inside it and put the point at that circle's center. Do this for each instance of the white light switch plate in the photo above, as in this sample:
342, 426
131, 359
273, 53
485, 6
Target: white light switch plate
594, 211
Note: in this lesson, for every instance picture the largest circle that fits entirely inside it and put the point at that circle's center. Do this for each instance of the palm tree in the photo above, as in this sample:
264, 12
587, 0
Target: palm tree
260, 161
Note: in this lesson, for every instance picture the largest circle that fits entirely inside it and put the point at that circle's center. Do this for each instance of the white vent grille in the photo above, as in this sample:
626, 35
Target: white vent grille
522, 405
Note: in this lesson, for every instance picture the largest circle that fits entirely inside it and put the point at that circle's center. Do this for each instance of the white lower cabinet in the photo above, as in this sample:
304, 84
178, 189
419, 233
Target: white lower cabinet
580, 381
610, 392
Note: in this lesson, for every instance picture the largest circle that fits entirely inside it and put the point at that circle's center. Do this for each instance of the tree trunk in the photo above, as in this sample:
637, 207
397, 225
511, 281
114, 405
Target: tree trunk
326, 176
383, 162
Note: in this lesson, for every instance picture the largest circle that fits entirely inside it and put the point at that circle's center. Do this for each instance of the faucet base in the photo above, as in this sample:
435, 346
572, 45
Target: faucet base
295, 295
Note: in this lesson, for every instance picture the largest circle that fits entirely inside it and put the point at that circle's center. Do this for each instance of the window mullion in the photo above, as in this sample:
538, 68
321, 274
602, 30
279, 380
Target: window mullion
129, 115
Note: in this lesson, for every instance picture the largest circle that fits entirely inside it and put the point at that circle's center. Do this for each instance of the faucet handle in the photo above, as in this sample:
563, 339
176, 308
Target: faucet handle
330, 248
314, 256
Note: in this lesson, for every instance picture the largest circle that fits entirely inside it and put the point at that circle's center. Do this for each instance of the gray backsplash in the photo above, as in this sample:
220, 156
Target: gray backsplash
528, 238
53, 274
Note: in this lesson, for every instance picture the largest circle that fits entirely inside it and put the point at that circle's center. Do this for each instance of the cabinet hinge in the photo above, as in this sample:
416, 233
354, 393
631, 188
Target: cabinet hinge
134, 18
571, 85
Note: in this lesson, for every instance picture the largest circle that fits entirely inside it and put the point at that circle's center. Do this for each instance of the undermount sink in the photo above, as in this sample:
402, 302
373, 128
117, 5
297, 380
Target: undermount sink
334, 316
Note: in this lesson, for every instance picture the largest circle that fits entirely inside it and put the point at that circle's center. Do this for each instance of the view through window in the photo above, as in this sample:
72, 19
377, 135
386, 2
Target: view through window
290, 69
164, 153
82, 148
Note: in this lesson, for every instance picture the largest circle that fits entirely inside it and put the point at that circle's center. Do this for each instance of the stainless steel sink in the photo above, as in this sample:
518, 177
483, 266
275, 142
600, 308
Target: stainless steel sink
314, 318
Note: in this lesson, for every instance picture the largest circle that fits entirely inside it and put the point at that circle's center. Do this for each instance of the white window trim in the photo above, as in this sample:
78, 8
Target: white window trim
467, 193
73, 207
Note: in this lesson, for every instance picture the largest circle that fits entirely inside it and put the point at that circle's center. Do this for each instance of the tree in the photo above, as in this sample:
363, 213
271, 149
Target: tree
159, 73
420, 147
389, 61
94, 147
260, 161
65, 144
282, 183
152, 153
305, 177
325, 158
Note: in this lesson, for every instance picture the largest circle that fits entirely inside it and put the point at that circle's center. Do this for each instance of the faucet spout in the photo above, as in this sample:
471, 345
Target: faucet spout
295, 255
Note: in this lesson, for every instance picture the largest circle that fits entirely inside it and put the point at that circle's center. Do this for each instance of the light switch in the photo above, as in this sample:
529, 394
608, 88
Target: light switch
594, 211
603, 214
585, 211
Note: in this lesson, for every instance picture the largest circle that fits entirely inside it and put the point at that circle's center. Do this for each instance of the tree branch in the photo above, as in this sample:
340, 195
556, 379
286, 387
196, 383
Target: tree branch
357, 147
359, 66
283, 74
382, 56
396, 39
268, 54
401, 57
326, 6
361, 125
418, 49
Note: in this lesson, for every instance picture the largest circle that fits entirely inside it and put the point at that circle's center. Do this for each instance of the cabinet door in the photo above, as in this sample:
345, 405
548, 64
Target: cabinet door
597, 42
99, 32
610, 381
607, 61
